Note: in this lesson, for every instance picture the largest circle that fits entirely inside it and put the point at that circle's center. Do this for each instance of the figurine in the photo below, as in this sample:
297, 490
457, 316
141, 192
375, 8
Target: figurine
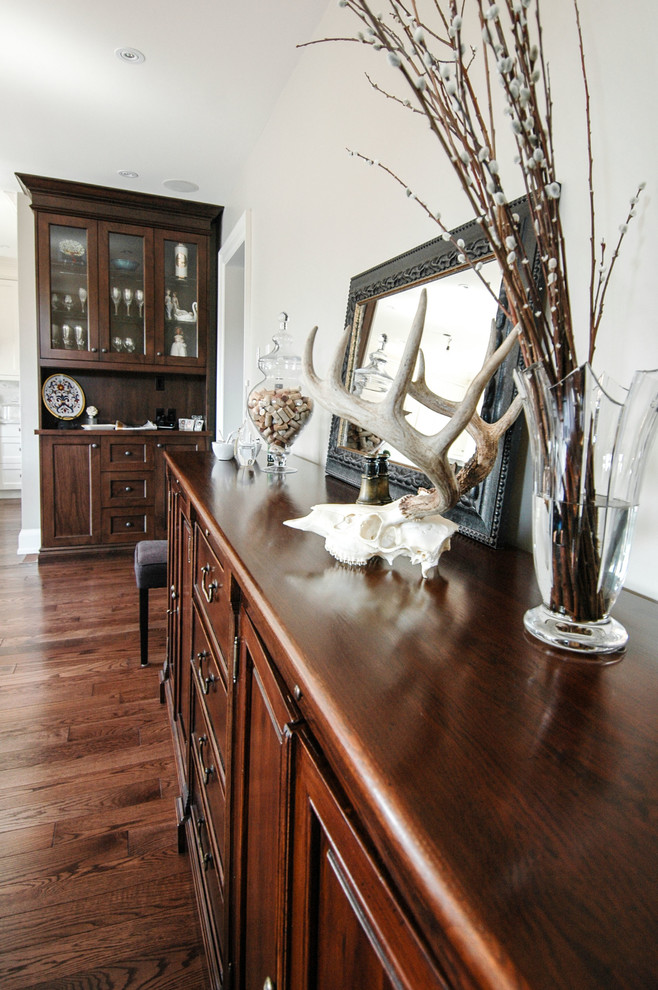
179, 347
168, 304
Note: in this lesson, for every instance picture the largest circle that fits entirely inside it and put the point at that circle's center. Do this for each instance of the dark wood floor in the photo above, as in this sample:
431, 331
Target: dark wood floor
93, 893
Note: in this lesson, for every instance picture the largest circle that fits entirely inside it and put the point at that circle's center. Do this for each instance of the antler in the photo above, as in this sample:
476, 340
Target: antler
387, 419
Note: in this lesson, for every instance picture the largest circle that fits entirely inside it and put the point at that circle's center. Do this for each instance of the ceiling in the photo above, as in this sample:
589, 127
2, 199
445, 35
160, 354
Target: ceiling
192, 110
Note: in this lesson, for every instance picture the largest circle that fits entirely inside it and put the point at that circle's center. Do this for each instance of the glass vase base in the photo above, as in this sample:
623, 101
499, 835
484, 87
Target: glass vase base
591, 642
277, 462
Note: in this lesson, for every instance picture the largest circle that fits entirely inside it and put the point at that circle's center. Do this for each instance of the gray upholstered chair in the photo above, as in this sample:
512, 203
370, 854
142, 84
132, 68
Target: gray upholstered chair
150, 572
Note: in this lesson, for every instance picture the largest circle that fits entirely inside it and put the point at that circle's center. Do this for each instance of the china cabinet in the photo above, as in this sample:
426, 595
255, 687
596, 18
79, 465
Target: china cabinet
126, 300
386, 781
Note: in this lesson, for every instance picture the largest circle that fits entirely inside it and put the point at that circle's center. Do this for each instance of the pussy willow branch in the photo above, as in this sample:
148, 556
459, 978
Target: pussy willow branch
443, 90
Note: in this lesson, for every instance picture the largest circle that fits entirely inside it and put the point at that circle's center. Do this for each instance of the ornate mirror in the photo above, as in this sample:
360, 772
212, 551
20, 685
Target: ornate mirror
380, 308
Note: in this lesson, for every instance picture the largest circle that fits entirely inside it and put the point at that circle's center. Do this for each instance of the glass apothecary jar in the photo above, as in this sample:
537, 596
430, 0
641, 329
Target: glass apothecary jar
278, 406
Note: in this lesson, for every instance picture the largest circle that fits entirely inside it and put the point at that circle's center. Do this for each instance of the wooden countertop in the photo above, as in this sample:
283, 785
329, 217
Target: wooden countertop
511, 794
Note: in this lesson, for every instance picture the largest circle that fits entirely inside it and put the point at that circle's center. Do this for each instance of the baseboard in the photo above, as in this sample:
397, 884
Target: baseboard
29, 541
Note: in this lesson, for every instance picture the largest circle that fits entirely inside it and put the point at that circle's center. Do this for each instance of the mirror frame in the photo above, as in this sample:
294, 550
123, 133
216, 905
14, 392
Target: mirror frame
479, 513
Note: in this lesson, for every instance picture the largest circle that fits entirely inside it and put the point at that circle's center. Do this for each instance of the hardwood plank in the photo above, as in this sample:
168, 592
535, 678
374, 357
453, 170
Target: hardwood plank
85, 761
23, 840
180, 969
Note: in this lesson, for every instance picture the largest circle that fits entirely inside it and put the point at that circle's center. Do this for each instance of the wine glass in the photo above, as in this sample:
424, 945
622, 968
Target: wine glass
139, 299
128, 298
82, 293
116, 299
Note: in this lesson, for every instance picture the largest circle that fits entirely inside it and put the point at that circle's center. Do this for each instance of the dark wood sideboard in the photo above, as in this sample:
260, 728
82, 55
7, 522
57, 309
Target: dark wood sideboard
385, 783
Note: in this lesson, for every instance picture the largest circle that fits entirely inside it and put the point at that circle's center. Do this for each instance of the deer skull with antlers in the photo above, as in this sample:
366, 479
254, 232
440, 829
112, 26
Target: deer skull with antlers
413, 526
387, 419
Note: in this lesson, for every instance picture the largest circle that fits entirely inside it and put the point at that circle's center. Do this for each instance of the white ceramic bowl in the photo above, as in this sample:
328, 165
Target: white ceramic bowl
223, 451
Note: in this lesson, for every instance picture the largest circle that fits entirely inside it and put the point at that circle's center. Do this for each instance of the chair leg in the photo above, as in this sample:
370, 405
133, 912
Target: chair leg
144, 625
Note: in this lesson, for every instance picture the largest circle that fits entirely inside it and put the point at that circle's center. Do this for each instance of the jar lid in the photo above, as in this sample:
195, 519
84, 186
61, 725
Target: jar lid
281, 359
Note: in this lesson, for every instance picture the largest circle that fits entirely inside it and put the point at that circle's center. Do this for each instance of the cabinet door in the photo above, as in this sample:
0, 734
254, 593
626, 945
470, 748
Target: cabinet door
70, 491
347, 928
126, 303
68, 287
181, 280
259, 822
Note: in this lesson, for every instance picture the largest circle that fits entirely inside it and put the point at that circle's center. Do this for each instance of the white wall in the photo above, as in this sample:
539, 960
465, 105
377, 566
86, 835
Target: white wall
320, 216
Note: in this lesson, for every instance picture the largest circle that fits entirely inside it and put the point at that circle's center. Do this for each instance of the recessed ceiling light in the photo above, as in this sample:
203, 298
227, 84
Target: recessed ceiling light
180, 185
125, 173
131, 55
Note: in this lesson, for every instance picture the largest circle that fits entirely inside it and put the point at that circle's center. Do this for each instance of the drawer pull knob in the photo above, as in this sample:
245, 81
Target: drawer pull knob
128, 488
159, 445
94, 446
129, 525
127, 453
93, 350
208, 590
103, 350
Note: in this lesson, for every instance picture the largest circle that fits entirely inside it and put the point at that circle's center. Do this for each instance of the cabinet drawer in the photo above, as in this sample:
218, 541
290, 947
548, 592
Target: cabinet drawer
212, 591
211, 679
209, 887
126, 525
127, 489
126, 453
211, 784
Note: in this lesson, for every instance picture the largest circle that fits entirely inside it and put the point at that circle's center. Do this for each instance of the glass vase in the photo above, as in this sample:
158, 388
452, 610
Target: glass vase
588, 440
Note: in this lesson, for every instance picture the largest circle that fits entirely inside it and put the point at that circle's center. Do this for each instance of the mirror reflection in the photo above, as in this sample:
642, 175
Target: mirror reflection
460, 309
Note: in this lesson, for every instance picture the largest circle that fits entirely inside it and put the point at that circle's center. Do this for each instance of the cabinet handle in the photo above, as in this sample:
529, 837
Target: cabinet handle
128, 488
208, 682
159, 445
209, 591
93, 350
103, 350
94, 446
206, 858
159, 354
207, 771
129, 525
127, 453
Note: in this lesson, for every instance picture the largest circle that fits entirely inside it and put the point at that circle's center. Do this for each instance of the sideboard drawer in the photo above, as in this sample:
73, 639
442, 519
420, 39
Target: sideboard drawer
211, 686
212, 591
211, 784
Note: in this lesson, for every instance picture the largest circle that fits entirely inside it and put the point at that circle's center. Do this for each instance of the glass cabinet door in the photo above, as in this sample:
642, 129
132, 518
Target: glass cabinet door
67, 260
126, 294
182, 291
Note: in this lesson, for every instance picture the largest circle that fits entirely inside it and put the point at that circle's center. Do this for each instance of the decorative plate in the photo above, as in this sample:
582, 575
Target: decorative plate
63, 397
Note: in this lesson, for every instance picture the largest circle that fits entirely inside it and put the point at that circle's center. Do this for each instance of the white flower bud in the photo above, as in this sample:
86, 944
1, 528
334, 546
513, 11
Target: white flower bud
394, 60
